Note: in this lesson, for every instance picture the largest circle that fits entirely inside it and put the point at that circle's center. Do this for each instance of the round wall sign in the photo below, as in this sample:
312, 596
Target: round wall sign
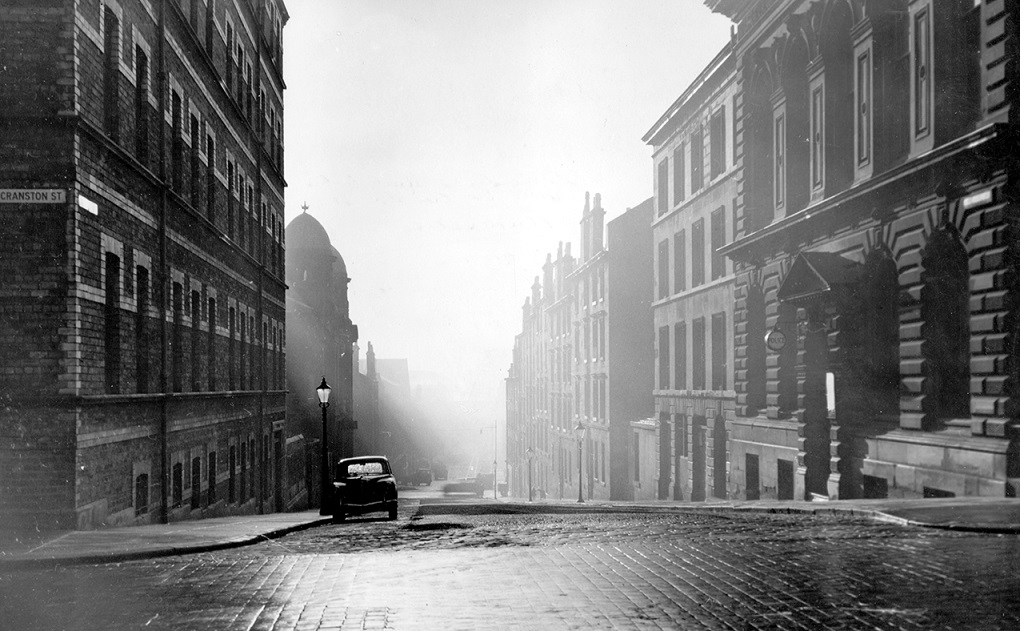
775, 340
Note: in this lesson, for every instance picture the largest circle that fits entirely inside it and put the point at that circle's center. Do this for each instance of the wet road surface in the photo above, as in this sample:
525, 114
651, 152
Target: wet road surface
451, 569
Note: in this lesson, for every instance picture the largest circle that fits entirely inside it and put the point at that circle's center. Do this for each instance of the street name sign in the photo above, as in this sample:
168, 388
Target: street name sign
32, 196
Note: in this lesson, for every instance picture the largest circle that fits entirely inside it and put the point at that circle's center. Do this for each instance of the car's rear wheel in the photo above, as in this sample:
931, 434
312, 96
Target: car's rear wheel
393, 511
339, 514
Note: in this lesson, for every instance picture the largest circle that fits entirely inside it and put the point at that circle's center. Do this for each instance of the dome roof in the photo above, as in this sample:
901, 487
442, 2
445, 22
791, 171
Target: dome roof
305, 232
339, 267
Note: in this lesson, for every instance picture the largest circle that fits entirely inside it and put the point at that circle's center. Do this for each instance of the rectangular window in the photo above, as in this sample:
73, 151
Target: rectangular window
602, 399
111, 73
142, 330
195, 185
141, 494
141, 106
864, 108
243, 480
196, 341
817, 135
664, 357
719, 351
698, 253
587, 398
196, 483
242, 230
733, 111
718, 237
697, 160
922, 72
680, 356
780, 160
210, 178
230, 200
717, 142
679, 262
229, 62
681, 436
177, 358
663, 186
232, 475
177, 485
212, 477
698, 343
663, 268
211, 346
210, 24
678, 174
231, 344
176, 141
112, 324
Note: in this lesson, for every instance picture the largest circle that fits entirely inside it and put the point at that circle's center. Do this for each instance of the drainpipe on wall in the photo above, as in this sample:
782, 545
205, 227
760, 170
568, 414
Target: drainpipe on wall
164, 275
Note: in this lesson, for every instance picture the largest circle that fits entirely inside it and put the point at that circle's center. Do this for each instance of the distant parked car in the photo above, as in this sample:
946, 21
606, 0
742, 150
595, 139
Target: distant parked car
364, 485
467, 485
421, 477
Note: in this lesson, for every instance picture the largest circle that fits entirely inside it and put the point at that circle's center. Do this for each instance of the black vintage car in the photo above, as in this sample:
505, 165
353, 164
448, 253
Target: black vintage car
364, 485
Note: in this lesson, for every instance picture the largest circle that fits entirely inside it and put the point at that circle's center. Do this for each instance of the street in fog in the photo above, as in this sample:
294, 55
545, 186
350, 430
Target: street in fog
471, 564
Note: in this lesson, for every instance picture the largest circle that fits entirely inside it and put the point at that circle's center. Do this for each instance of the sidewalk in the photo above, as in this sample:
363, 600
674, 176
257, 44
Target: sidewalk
975, 514
112, 545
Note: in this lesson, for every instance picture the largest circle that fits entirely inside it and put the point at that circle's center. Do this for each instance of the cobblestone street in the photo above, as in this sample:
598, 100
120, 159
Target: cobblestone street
451, 569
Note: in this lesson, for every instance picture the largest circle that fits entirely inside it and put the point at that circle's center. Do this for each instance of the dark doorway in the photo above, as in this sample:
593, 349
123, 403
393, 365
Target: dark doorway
719, 456
751, 478
278, 470
679, 431
665, 456
875, 487
698, 460
785, 479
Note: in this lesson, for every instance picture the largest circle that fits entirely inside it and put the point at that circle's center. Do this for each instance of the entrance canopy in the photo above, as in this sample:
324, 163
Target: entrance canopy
815, 274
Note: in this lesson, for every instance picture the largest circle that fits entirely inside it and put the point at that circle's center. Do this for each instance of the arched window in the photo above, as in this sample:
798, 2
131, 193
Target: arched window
882, 334
797, 126
945, 311
758, 208
787, 372
837, 53
756, 373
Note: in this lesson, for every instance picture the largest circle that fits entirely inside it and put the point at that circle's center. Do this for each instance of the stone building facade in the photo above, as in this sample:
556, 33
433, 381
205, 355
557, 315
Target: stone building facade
876, 293
695, 197
141, 261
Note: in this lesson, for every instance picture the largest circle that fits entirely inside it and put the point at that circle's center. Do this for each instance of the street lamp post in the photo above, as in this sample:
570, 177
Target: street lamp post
531, 454
323, 391
579, 431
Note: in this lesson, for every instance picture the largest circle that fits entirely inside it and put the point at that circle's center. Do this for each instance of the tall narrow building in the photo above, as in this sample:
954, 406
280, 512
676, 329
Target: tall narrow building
695, 198
321, 342
141, 261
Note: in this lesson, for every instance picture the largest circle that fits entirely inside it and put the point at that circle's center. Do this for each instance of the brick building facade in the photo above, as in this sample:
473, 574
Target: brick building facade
876, 294
141, 285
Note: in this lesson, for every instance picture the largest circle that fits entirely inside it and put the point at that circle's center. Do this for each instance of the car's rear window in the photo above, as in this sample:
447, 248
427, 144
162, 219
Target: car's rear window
355, 469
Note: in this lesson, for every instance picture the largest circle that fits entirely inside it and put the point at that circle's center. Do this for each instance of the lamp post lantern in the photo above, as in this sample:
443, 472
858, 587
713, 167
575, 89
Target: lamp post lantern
531, 454
323, 392
579, 431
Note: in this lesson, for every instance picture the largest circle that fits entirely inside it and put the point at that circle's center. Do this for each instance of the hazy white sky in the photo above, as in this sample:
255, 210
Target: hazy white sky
446, 146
